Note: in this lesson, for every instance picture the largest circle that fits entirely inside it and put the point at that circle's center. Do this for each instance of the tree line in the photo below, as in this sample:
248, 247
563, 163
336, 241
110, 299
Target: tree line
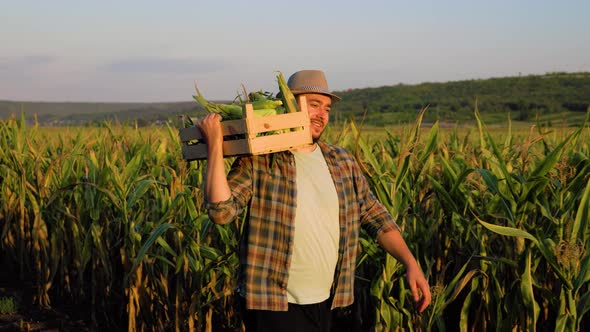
519, 98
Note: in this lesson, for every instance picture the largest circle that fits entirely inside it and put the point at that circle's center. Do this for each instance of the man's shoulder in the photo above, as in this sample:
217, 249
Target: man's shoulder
334, 150
268, 159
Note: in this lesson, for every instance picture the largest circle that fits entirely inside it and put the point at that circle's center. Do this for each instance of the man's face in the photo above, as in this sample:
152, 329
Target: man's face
318, 106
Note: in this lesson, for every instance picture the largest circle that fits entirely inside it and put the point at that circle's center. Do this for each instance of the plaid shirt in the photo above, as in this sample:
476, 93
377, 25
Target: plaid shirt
266, 185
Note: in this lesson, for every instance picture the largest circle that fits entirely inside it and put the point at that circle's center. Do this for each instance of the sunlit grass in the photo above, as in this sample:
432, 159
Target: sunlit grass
8, 305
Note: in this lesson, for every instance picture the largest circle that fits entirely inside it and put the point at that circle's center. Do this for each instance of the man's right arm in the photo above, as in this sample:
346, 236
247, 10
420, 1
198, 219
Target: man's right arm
216, 185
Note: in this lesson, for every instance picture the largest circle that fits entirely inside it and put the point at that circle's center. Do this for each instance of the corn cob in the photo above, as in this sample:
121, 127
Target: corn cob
227, 111
289, 101
258, 96
266, 104
262, 112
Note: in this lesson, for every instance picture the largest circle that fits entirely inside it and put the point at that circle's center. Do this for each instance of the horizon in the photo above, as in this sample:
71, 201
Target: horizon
337, 91
148, 52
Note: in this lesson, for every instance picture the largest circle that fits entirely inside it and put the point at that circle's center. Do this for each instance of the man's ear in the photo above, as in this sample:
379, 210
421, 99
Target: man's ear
299, 97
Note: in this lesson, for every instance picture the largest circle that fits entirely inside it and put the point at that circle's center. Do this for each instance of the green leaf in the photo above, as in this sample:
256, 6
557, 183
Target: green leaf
508, 231
584, 275
553, 157
582, 216
528, 297
444, 195
492, 182
431, 144
139, 191
583, 305
148, 244
160, 240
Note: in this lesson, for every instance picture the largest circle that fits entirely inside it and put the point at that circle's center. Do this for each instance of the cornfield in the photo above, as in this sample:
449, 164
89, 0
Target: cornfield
111, 220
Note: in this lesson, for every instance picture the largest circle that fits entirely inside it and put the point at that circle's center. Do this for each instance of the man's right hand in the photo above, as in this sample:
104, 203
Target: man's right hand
210, 127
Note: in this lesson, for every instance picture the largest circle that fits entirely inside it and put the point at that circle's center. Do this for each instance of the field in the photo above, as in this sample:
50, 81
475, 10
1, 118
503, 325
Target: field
111, 220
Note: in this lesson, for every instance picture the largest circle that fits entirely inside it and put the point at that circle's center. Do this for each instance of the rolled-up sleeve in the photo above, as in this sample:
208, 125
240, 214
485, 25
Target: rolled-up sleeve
239, 180
375, 218
221, 212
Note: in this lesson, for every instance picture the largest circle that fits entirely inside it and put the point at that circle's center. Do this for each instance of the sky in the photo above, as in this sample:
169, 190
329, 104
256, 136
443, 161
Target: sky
156, 51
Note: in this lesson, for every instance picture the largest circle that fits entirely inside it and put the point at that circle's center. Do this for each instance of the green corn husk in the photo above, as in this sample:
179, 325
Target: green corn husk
227, 111
259, 96
289, 101
263, 103
259, 113
267, 104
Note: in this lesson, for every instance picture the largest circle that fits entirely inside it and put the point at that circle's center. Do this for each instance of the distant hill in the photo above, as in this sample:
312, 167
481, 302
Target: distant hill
76, 113
551, 98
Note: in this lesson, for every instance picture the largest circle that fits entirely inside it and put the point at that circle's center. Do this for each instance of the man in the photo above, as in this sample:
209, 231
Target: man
304, 211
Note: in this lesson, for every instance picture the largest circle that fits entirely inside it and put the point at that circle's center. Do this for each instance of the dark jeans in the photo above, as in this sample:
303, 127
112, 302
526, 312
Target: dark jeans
299, 318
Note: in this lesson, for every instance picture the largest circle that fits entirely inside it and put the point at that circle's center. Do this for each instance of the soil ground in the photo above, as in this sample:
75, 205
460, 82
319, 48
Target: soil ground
33, 318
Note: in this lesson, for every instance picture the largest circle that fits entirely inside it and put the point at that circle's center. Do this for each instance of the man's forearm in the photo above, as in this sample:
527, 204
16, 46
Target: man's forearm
216, 186
393, 242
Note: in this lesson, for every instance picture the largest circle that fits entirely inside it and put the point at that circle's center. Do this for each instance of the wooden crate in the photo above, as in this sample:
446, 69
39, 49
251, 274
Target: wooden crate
250, 128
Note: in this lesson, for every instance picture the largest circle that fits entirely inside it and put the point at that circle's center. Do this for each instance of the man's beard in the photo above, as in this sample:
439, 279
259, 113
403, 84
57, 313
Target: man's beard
316, 139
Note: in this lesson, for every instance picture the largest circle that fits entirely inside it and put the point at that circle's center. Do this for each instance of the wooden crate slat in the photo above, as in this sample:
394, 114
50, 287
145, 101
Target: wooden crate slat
194, 152
188, 134
278, 122
236, 147
233, 127
230, 148
229, 127
281, 142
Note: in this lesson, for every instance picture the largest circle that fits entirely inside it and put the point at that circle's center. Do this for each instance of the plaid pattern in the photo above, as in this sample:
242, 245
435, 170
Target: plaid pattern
266, 185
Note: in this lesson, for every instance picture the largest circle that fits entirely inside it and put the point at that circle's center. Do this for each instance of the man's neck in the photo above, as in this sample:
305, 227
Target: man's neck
306, 148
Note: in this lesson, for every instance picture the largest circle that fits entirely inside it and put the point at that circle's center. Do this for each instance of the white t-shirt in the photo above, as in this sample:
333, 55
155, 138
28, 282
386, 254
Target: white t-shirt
317, 230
